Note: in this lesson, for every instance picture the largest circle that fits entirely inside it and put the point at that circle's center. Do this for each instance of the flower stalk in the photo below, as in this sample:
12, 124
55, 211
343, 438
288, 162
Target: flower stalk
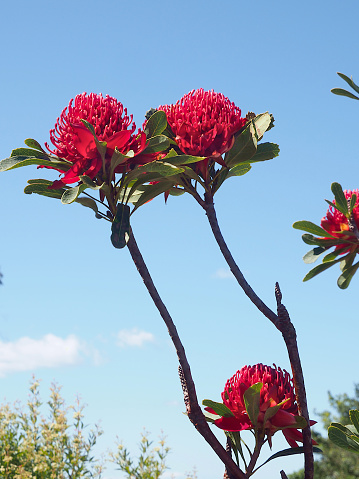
281, 322
194, 411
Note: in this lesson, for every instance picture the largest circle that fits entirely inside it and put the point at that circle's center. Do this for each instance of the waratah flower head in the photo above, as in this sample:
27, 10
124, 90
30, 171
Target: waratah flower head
336, 223
277, 388
204, 123
75, 143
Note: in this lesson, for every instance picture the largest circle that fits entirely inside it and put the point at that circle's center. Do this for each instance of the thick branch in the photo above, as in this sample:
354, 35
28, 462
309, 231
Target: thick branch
212, 218
194, 411
290, 337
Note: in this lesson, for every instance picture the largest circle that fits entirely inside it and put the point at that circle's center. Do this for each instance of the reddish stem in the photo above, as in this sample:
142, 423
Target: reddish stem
194, 410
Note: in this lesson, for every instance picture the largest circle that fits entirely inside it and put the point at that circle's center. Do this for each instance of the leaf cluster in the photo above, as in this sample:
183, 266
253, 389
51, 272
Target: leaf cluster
342, 92
324, 241
46, 448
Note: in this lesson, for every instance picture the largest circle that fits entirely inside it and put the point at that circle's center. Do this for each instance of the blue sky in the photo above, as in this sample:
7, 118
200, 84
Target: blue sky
74, 310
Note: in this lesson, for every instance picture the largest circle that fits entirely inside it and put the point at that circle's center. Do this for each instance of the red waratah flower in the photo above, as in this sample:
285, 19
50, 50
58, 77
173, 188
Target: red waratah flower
75, 143
204, 124
277, 388
336, 223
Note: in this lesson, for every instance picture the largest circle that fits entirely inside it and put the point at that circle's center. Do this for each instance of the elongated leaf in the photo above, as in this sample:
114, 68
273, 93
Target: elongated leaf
42, 189
354, 417
176, 191
244, 147
319, 269
29, 153
331, 256
156, 144
88, 182
163, 169
347, 261
19, 161
251, 400
152, 191
239, 170
223, 175
349, 81
341, 92
88, 202
345, 278
265, 151
218, 407
310, 228
121, 226
34, 144
290, 452
40, 181
156, 124
70, 195
327, 242
353, 200
184, 159
340, 200
313, 254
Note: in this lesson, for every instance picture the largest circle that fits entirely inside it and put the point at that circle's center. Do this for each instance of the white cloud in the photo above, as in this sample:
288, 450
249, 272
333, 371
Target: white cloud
223, 273
50, 351
134, 337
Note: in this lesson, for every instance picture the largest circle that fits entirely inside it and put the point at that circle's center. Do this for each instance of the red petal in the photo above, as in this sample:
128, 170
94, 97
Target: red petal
233, 423
118, 139
282, 419
84, 141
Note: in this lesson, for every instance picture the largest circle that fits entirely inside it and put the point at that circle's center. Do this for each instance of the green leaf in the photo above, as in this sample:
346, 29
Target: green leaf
163, 169
327, 242
218, 407
183, 159
176, 191
251, 401
354, 417
313, 254
70, 195
239, 170
121, 226
244, 147
152, 191
42, 189
347, 261
18, 161
349, 81
331, 256
353, 200
341, 437
310, 228
345, 278
156, 124
261, 123
340, 200
319, 269
341, 92
34, 144
290, 452
29, 153
156, 144
88, 202
265, 151
89, 183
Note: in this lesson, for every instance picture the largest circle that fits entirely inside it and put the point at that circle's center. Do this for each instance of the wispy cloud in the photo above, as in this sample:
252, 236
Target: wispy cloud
134, 337
223, 273
50, 351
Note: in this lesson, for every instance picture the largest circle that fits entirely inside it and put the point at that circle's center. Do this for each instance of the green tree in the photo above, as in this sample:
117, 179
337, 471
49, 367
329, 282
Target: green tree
335, 463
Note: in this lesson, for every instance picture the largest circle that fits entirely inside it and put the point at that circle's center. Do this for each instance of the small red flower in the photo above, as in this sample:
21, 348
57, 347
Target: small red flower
277, 388
204, 123
336, 223
75, 143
